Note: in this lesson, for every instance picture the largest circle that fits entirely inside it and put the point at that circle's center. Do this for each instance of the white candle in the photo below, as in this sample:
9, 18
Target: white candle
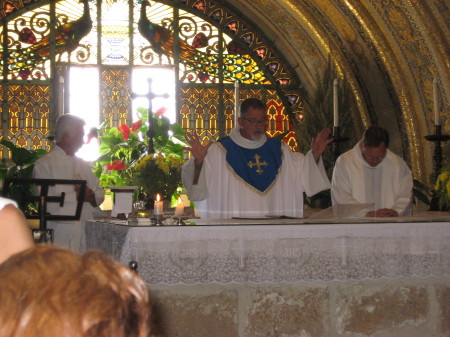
436, 103
158, 206
179, 209
335, 103
236, 102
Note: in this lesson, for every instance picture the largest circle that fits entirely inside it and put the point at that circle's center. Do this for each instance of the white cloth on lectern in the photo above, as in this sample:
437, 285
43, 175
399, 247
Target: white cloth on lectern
58, 165
388, 185
221, 194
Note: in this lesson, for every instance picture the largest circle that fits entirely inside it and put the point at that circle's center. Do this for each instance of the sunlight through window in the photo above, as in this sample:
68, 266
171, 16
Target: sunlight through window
162, 87
85, 99
84, 102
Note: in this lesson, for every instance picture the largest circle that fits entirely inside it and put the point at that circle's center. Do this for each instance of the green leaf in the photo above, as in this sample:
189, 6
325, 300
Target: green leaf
421, 197
282, 135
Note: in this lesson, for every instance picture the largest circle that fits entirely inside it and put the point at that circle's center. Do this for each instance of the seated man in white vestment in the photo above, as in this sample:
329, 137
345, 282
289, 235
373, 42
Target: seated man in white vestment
370, 173
61, 163
247, 174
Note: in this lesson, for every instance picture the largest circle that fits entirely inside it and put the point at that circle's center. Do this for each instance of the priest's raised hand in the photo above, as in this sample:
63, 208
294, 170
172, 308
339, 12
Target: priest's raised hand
198, 152
320, 143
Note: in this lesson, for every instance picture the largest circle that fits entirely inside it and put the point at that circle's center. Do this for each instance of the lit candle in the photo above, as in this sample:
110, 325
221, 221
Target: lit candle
158, 206
236, 103
335, 103
436, 103
179, 209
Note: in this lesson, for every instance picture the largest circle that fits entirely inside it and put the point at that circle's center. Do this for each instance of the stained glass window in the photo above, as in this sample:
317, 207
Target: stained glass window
207, 45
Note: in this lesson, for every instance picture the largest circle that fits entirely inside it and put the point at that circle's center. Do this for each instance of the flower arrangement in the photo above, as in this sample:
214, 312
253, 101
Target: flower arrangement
157, 173
125, 159
442, 188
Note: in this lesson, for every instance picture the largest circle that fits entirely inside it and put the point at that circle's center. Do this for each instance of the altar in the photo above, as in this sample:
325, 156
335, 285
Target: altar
290, 277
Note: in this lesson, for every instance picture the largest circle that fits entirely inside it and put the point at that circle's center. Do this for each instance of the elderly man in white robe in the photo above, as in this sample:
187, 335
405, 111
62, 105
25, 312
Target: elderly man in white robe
371, 174
247, 174
61, 163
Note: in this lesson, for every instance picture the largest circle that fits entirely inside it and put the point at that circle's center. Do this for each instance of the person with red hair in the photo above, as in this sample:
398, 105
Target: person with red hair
47, 291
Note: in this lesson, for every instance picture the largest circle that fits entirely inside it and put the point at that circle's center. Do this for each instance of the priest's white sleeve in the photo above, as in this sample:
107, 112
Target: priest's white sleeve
341, 185
198, 191
403, 201
314, 175
85, 173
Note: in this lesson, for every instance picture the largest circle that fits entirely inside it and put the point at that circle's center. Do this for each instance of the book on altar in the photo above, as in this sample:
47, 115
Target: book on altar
345, 211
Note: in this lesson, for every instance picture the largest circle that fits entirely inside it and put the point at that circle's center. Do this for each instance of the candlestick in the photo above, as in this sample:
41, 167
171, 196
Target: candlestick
236, 102
337, 139
335, 103
437, 138
436, 103
158, 206
179, 209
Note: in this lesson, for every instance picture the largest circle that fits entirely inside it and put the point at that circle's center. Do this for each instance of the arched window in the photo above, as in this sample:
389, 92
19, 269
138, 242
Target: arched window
207, 48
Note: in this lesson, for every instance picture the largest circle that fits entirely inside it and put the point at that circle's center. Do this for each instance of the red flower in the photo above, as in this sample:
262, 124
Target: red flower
136, 125
117, 165
125, 131
160, 112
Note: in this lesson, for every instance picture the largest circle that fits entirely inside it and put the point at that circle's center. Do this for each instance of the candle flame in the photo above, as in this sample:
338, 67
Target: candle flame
158, 197
179, 200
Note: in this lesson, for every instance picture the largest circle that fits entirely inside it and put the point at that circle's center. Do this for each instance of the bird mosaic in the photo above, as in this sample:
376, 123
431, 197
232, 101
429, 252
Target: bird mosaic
67, 38
236, 65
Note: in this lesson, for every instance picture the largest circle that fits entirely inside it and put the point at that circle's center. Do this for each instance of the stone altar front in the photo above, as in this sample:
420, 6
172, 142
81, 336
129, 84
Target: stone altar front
290, 277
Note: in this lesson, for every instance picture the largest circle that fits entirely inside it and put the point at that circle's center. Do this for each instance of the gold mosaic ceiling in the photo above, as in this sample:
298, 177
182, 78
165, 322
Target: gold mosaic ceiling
389, 50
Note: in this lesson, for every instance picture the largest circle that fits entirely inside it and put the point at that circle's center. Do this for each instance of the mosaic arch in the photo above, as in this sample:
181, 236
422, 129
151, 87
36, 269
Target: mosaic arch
210, 47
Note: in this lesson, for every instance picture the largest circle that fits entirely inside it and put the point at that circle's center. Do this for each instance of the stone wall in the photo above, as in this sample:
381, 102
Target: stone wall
398, 308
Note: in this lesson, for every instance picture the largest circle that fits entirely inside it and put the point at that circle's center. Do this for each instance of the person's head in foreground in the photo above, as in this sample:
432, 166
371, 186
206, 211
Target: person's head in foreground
48, 291
253, 120
374, 145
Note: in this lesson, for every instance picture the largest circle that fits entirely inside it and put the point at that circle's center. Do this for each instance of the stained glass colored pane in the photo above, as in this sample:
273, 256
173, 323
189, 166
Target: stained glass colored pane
28, 116
208, 57
10, 6
29, 42
27, 47
154, 46
81, 26
199, 112
115, 96
115, 33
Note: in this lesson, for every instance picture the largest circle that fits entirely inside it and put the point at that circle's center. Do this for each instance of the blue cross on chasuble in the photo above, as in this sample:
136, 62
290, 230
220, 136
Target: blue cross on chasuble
257, 167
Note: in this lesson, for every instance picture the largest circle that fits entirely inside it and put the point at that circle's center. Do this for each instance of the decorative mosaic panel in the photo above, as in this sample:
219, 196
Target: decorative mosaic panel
199, 112
28, 116
115, 96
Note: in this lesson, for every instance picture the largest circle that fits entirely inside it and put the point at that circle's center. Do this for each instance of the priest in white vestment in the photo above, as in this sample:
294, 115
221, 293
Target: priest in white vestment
247, 174
370, 173
61, 163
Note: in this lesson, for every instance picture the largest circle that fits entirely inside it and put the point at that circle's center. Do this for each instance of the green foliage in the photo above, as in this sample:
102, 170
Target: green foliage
156, 173
421, 193
21, 168
124, 147
442, 188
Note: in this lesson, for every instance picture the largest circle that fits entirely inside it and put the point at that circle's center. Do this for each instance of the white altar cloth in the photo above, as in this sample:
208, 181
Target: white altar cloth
276, 251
